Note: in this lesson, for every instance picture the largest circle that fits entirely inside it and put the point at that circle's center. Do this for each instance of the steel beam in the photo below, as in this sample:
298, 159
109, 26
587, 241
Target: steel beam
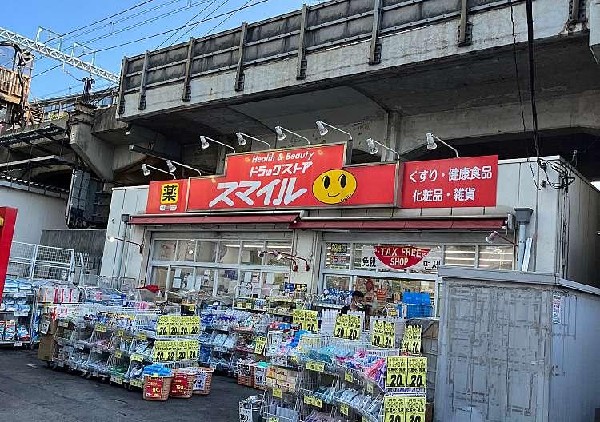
239, 75
53, 53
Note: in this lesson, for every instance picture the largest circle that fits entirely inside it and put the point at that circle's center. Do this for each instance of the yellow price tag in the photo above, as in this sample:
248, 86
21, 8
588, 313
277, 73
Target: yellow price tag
118, 380
353, 327
317, 402
339, 330
315, 366
369, 388
348, 376
414, 409
136, 383
308, 400
396, 371
344, 410
101, 328
259, 346
416, 372
120, 333
137, 358
394, 409
311, 321
277, 392
273, 419
118, 354
411, 340
298, 317
141, 336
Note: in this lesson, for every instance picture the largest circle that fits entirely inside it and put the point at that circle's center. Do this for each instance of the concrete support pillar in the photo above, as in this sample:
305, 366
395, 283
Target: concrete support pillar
97, 154
594, 25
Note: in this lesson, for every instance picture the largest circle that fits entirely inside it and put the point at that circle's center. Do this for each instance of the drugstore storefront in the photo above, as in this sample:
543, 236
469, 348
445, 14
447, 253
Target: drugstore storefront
303, 219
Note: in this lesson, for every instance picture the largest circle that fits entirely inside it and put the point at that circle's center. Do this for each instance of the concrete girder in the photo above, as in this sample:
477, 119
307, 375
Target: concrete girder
578, 111
97, 154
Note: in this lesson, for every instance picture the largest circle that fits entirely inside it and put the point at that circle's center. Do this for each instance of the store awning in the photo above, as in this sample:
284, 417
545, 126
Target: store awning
407, 224
256, 218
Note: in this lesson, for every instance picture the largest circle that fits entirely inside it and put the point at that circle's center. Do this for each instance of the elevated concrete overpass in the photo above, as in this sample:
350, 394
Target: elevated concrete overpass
388, 69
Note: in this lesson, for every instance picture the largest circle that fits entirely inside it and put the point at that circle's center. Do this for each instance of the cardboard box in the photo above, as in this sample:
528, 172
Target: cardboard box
46, 348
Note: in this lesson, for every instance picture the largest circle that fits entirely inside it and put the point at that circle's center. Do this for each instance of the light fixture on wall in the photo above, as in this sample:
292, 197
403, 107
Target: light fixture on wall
146, 170
374, 145
281, 134
171, 165
241, 137
205, 142
322, 126
432, 141
113, 239
491, 238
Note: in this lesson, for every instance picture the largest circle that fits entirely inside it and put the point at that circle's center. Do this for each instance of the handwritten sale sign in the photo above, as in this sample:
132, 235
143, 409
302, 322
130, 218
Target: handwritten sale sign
452, 183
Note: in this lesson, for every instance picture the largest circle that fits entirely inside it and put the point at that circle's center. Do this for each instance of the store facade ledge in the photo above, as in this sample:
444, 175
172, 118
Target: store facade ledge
253, 218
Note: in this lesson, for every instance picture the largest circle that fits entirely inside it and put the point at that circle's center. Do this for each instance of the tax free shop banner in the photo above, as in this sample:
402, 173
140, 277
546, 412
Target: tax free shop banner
296, 178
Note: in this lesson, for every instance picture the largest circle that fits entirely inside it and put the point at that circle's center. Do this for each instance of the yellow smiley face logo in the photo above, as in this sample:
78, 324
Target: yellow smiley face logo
334, 186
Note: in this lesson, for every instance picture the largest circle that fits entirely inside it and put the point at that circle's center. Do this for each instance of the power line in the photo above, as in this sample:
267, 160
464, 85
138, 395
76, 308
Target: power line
148, 37
143, 12
135, 6
225, 19
192, 28
191, 19
158, 34
137, 25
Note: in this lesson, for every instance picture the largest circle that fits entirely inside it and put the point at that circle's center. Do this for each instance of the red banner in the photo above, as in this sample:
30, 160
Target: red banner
400, 257
168, 196
8, 219
307, 177
452, 183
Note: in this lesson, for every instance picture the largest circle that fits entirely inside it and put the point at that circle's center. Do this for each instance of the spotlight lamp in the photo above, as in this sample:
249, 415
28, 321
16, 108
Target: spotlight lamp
491, 238
433, 140
171, 166
242, 139
205, 142
281, 134
146, 170
323, 129
374, 145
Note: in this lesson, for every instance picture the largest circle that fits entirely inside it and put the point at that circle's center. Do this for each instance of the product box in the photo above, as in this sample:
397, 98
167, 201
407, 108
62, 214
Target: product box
10, 330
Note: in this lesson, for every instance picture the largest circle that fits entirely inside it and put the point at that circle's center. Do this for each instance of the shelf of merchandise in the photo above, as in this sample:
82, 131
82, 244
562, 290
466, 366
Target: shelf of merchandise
21, 318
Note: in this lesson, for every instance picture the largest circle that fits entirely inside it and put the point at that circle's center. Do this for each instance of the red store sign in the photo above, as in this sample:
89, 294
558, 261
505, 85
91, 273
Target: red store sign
451, 183
316, 176
308, 177
400, 257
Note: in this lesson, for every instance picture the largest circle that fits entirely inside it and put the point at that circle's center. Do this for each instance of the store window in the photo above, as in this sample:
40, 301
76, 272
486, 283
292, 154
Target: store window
460, 256
158, 277
496, 257
181, 278
228, 252
273, 283
251, 253
186, 250
338, 282
222, 267
164, 250
273, 248
206, 251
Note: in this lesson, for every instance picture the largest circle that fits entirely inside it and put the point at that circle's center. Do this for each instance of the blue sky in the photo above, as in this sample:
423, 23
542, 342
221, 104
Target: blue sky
153, 17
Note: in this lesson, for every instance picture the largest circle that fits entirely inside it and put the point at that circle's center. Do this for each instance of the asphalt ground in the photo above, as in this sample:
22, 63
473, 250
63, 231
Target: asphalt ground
30, 391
